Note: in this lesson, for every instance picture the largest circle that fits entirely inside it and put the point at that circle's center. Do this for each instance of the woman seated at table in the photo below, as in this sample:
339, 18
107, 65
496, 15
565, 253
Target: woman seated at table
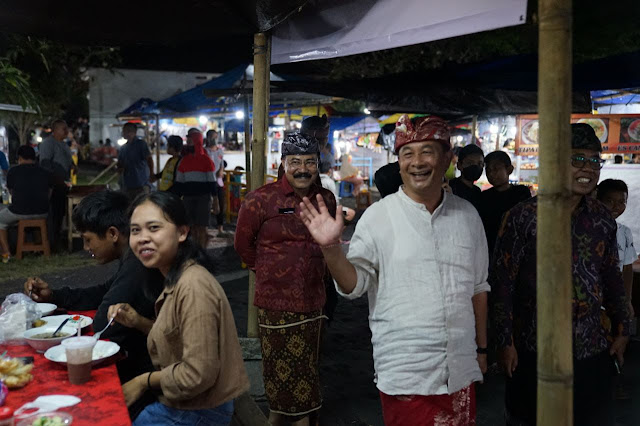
193, 343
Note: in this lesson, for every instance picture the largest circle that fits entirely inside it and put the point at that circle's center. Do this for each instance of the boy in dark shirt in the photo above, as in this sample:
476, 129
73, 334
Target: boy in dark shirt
496, 201
470, 164
102, 220
30, 187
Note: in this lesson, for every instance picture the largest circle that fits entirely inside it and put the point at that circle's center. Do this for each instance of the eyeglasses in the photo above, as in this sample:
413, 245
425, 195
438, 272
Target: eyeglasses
579, 162
309, 164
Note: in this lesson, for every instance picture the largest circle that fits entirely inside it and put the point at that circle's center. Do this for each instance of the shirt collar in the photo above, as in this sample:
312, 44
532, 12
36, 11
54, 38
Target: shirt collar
411, 202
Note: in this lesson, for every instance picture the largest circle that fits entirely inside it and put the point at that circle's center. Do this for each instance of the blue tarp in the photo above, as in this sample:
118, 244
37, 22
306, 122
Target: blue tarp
616, 97
141, 106
341, 123
195, 99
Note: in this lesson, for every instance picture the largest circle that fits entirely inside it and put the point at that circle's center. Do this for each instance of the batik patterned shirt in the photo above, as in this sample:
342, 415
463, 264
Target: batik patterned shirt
271, 238
597, 281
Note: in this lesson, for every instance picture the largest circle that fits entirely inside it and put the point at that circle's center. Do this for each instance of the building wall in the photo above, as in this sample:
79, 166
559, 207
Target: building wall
110, 92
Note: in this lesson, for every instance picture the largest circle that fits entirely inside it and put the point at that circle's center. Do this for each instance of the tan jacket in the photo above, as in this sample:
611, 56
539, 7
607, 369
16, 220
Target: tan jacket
195, 345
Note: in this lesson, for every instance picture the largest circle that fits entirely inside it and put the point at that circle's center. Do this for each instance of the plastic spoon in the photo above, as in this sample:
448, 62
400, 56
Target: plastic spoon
99, 333
59, 328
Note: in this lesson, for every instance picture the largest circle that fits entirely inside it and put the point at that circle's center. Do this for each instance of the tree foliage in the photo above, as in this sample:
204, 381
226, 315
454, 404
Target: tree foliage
48, 77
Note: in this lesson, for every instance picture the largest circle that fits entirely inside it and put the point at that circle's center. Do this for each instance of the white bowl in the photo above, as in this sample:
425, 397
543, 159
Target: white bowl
101, 351
41, 345
46, 308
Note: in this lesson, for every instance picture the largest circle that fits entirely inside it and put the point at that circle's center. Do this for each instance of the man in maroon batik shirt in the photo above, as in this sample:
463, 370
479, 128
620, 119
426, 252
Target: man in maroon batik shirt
290, 292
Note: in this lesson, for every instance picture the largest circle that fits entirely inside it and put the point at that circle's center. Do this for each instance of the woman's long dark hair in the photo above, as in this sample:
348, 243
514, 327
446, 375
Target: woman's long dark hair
174, 211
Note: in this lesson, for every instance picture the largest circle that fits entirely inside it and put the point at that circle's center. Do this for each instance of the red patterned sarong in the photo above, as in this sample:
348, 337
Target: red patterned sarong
458, 409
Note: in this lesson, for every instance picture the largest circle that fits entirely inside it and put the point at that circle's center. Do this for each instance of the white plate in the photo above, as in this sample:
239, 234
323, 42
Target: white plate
102, 350
55, 320
46, 308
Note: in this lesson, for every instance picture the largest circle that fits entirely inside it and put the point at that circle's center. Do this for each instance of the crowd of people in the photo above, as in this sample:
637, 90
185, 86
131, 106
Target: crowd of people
428, 255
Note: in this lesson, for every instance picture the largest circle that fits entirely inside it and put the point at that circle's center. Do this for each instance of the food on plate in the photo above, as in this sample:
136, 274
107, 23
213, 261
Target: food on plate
48, 421
76, 320
49, 335
598, 125
530, 132
14, 373
39, 323
634, 130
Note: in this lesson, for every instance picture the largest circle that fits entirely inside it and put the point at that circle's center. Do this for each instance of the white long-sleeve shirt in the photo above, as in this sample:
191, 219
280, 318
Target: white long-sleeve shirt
626, 251
420, 271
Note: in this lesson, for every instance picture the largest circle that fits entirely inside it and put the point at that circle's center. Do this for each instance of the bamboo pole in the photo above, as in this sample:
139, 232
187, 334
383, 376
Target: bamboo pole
554, 285
247, 141
261, 67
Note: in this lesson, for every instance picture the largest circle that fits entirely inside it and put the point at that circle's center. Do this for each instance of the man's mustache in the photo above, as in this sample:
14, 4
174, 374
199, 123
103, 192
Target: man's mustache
302, 175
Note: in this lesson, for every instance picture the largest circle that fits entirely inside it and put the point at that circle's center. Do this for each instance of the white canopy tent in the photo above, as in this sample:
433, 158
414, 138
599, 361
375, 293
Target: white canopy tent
334, 28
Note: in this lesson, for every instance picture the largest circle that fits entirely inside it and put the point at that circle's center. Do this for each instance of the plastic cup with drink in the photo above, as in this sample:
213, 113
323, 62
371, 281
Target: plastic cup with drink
79, 351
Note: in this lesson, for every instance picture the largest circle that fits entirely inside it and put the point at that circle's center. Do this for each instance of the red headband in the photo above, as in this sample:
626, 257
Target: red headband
424, 129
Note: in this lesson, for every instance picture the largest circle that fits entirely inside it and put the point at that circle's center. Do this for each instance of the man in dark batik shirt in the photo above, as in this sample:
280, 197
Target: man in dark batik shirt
597, 283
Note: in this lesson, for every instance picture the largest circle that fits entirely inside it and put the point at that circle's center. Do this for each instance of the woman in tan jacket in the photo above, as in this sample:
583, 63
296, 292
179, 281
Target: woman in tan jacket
193, 342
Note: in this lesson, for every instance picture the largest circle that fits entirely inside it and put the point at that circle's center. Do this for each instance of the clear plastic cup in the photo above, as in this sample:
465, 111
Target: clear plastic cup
79, 351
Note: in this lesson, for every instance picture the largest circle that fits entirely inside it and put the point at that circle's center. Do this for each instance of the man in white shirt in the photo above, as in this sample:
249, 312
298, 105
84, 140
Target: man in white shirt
421, 256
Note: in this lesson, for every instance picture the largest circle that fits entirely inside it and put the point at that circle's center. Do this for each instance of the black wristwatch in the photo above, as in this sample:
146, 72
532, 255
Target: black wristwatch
482, 351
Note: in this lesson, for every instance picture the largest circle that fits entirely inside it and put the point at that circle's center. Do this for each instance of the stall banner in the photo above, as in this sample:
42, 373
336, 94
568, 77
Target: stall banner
618, 133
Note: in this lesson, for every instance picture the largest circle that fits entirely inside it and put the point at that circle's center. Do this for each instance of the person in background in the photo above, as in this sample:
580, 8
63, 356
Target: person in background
4, 168
196, 182
74, 148
635, 159
55, 156
613, 193
470, 164
326, 178
236, 188
349, 173
30, 186
167, 177
451, 171
290, 287
618, 159
326, 156
421, 256
193, 341
110, 152
102, 220
597, 282
387, 179
135, 163
499, 199
216, 154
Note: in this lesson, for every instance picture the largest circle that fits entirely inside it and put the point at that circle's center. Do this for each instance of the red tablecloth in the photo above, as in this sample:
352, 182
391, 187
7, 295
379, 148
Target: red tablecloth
102, 399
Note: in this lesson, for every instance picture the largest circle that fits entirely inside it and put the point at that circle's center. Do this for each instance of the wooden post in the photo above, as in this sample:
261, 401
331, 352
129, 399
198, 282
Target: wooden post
554, 285
261, 66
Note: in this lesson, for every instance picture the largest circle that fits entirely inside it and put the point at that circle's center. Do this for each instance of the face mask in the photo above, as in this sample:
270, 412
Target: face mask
472, 173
